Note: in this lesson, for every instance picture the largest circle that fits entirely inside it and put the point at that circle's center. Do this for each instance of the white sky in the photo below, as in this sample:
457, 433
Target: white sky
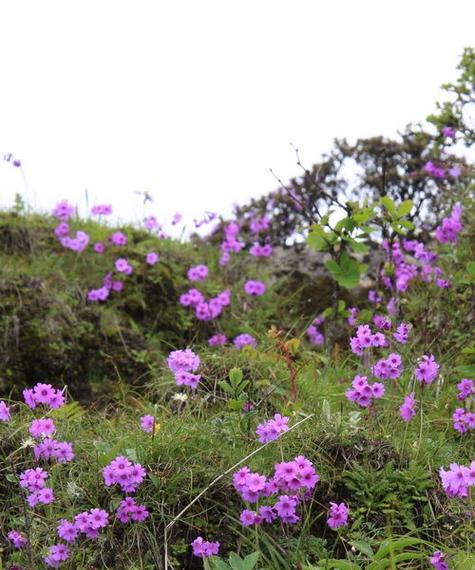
195, 100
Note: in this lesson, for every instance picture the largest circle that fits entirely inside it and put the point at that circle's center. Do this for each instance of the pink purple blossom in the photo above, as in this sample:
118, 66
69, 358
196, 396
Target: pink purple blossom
243, 340
427, 369
272, 429
254, 288
407, 410
337, 515
4, 412
203, 548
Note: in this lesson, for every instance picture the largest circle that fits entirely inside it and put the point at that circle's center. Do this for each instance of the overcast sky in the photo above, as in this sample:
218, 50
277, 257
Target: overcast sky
195, 100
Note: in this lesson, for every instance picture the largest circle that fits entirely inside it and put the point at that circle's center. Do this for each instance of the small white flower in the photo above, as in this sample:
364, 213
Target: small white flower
180, 397
27, 443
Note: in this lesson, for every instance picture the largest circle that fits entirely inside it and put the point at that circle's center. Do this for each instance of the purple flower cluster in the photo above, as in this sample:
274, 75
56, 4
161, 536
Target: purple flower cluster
402, 333
218, 339
183, 363
315, 335
124, 473
390, 367
4, 412
129, 511
292, 481
363, 393
147, 423
272, 429
407, 410
254, 288
463, 420
231, 243
152, 258
206, 310
118, 239
61, 451
466, 388
437, 560
427, 369
58, 553
204, 548
77, 243
43, 394
34, 481
17, 539
244, 340
337, 515
101, 210
63, 211
457, 480
352, 319
259, 224
450, 227
258, 250
198, 273
89, 523
365, 339
382, 322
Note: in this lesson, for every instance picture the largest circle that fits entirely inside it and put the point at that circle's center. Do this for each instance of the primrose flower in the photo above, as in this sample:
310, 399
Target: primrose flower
272, 429
151, 258
243, 340
466, 388
130, 511
427, 369
254, 288
363, 393
203, 548
124, 473
198, 273
118, 239
42, 427
99, 247
258, 250
151, 223
101, 210
185, 360
402, 333
17, 539
458, 479
450, 227
58, 553
147, 423
437, 560
218, 340
123, 266
463, 420
67, 531
4, 412
63, 211
407, 409
337, 515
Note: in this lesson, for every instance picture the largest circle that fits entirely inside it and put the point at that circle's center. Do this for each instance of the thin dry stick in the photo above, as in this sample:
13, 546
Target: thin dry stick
219, 477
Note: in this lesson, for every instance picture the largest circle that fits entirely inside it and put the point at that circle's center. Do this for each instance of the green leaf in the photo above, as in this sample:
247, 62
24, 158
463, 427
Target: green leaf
339, 565
404, 208
235, 376
347, 273
467, 370
363, 547
317, 242
250, 561
388, 203
225, 387
358, 246
388, 546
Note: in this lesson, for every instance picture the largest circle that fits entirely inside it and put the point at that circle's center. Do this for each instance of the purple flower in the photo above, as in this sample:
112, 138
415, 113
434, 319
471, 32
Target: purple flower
437, 560
466, 388
101, 210
67, 530
248, 518
17, 539
63, 211
218, 340
407, 409
118, 239
458, 479
177, 217
254, 288
198, 273
243, 340
123, 266
272, 429
99, 247
124, 473
185, 360
450, 227
203, 548
151, 223
147, 423
427, 369
337, 515
61, 230
129, 511
258, 250
402, 333
58, 553
4, 412
448, 132
151, 258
